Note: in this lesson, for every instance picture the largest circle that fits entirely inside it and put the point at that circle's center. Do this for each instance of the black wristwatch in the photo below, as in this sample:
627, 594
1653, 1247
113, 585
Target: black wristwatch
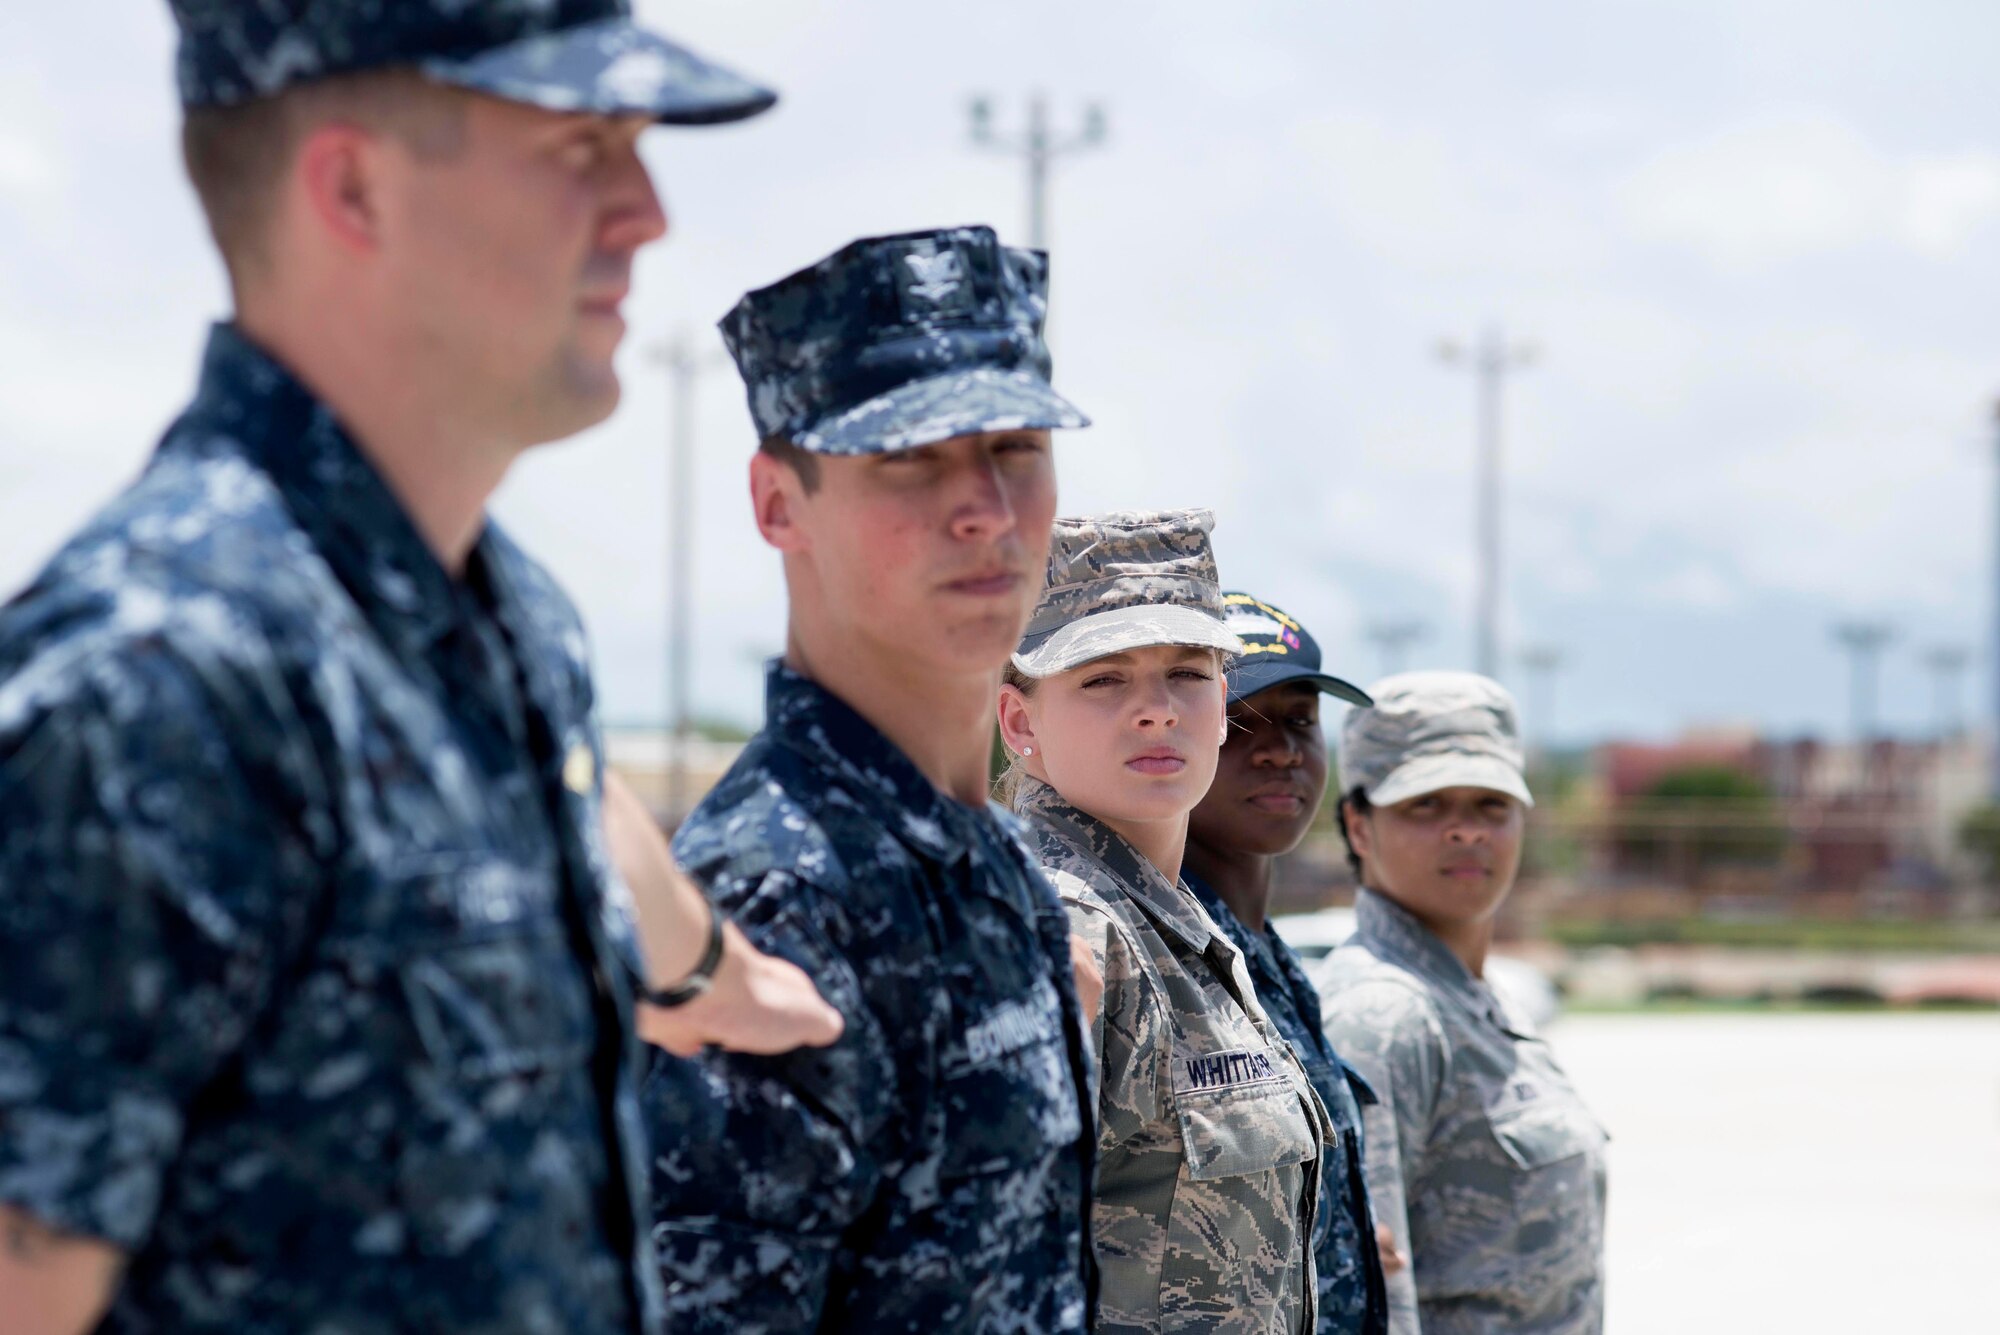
703, 976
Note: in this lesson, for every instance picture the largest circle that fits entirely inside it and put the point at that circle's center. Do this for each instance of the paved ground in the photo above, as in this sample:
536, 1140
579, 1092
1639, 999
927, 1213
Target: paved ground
1808, 1174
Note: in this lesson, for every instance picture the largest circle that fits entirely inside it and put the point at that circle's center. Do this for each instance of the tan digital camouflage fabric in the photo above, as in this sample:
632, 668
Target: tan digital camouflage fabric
1209, 1133
1127, 580
1431, 730
1481, 1158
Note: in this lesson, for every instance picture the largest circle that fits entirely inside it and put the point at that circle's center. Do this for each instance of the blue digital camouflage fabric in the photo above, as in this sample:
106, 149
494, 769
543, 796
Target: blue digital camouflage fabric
893, 342
1209, 1133
313, 997
1127, 580
562, 55
1352, 1297
1482, 1160
930, 1172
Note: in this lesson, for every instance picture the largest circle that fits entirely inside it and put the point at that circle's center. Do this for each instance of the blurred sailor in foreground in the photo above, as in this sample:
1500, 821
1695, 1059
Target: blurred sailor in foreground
314, 998
931, 1171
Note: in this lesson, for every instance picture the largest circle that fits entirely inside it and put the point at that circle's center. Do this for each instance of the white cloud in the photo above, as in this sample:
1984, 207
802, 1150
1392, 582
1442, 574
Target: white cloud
1802, 184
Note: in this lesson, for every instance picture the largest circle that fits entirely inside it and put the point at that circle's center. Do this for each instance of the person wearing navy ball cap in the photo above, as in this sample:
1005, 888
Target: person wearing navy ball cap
1268, 786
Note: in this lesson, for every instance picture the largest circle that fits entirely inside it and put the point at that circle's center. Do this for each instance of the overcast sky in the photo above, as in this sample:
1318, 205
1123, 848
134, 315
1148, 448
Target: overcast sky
1754, 240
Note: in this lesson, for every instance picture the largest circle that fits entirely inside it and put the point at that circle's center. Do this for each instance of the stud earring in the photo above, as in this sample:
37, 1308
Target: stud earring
1027, 750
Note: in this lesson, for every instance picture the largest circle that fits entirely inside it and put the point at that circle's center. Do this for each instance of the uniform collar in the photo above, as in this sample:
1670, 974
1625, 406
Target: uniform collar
354, 521
801, 714
1393, 933
1167, 904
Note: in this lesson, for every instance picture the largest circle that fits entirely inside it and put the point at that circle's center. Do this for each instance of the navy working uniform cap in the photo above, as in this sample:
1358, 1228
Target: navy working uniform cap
894, 342
1276, 649
563, 55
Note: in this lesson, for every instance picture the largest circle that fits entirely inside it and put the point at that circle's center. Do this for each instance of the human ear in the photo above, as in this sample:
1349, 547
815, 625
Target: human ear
340, 176
775, 501
1359, 834
1017, 724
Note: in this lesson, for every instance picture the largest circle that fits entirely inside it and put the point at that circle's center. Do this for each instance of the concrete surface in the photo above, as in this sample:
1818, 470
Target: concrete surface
1818, 1174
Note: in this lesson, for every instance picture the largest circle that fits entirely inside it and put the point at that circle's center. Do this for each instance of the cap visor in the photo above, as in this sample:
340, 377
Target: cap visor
1251, 676
608, 68
1428, 774
957, 403
1124, 628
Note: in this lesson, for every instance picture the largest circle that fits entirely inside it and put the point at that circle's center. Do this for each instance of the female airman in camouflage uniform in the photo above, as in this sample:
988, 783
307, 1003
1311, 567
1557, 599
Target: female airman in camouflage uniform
1210, 1134
1482, 1161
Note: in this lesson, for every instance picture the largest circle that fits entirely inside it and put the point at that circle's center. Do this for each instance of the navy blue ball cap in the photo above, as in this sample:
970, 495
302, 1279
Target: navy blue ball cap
562, 55
1276, 650
895, 342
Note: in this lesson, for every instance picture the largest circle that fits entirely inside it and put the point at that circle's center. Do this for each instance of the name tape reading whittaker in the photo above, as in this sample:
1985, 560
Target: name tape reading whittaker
1225, 1070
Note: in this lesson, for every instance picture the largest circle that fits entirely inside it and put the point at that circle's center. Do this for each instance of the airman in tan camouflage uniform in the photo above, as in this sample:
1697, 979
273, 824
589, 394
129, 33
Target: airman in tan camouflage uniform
1482, 1160
1210, 1135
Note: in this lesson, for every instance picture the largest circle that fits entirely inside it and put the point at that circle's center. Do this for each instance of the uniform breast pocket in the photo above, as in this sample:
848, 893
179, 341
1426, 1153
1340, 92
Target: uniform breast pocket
1556, 1188
486, 970
1009, 1094
1538, 1126
1240, 1115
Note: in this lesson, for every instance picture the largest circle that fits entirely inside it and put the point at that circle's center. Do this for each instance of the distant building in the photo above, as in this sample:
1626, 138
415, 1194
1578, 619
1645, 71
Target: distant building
1880, 815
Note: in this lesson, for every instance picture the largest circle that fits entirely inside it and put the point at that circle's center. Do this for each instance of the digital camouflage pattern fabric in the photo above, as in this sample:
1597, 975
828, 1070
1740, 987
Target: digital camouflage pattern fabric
1425, 731
562, 55
313, 991
1353, 1299
1483, 1161
931, 1171
1121, 581
1209, 1134
893, 342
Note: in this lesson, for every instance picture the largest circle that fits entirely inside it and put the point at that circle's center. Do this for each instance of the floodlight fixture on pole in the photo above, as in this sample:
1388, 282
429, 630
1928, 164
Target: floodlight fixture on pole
1038, 146
1947, 664
685, 364
1490, 360
1863, 641
1394, 638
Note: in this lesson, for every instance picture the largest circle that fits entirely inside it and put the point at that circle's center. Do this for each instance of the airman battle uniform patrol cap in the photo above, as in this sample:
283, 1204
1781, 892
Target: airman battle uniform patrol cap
1430, 730
1122, 581
1276, 649
561, 55
894, 342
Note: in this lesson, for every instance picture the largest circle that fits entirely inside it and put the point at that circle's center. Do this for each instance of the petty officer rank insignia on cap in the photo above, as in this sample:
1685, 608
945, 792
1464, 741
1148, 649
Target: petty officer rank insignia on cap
938, 286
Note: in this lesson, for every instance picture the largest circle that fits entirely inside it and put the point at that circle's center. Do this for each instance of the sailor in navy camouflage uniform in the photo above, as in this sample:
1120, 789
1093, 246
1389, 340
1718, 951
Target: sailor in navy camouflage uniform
1269, 783
313, 994
930, 1172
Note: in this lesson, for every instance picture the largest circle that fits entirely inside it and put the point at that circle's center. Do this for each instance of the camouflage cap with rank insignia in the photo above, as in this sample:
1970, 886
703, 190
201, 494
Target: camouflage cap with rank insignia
1431, 730
894, 342
561, 55
1276, 650
1126, 581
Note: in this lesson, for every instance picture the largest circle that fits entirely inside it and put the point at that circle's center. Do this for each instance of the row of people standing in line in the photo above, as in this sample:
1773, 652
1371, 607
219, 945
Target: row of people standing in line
317, 999
925, 1175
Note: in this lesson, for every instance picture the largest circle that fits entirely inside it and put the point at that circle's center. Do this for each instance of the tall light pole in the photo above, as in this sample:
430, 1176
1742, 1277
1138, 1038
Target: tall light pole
1040, 147
1542, 662
1947, 663
1863, 641
1489, 361
1393, 639
685, 365
1994, 722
